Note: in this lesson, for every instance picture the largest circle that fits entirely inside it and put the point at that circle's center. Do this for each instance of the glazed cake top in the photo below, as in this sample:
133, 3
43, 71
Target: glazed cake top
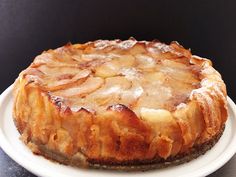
96, 75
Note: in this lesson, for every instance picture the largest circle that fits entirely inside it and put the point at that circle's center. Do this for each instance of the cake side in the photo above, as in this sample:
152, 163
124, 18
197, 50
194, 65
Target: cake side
118, 133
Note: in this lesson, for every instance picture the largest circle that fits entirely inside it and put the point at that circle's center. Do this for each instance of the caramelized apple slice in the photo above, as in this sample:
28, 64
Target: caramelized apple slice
90, 85
155, 95
65, 80
178, 71
57, 71
108, 69
174, 64
145, 61
130, 96
126, 60
138, 49
152, 77
113, 67
110, 92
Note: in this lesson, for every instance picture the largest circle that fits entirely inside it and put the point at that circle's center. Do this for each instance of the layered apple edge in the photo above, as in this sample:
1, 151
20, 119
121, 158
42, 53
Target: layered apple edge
119, 101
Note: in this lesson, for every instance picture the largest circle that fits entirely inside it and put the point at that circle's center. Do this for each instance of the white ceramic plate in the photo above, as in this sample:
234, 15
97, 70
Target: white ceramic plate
202, 166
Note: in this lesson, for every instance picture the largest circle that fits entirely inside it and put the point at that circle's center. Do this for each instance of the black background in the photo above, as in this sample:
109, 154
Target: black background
27, 27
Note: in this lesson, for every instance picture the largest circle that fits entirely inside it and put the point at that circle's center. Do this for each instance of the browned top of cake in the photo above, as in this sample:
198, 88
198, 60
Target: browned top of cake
136, 74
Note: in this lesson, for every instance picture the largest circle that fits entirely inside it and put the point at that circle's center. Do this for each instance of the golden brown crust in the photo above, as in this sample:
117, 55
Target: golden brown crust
163, 101
135, 165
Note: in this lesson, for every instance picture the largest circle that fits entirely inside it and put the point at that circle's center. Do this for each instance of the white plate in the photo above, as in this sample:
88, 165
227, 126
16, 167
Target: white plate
202, 166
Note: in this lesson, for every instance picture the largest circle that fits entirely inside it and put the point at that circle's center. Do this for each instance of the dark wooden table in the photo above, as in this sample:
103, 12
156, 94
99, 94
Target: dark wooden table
9, 168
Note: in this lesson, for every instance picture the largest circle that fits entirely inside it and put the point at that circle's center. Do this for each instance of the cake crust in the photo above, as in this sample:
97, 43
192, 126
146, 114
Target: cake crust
120, 104
138, 165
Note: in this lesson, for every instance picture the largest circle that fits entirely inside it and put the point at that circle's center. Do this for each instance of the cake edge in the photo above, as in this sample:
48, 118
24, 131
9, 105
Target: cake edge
83, 162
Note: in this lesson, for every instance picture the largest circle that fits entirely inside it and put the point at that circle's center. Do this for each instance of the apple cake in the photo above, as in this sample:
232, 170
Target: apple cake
125, 105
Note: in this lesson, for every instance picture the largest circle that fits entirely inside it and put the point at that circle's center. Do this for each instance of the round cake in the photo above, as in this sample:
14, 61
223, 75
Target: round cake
126, 105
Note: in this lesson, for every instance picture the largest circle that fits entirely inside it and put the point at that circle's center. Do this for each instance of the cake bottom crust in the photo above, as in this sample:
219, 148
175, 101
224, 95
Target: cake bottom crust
137, 165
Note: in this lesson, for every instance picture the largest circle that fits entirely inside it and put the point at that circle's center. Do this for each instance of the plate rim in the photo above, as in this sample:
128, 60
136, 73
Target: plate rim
7, 148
